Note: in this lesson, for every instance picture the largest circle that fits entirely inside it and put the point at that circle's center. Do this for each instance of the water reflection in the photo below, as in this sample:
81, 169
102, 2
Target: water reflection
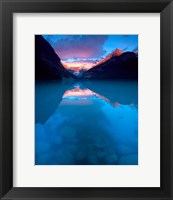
92, 123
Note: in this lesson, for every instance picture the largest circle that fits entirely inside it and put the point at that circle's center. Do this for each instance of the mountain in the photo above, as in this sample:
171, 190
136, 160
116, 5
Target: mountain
47, 63
117, 52
119, 65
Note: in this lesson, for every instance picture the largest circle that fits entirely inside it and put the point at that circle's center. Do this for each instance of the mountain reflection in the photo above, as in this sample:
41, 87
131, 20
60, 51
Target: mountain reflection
88, 123
81, 95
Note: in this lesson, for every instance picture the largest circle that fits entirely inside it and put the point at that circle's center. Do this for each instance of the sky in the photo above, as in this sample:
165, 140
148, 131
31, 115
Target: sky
82, 51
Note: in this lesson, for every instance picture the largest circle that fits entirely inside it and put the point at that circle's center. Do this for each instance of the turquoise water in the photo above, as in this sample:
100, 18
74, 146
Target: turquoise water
86, 123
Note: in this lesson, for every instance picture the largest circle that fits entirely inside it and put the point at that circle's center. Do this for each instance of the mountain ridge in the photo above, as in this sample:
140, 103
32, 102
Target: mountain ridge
123, 66
48, 65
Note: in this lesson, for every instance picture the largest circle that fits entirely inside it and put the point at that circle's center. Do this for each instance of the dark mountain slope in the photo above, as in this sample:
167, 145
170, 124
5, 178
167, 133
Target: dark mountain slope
117, 67
47, 64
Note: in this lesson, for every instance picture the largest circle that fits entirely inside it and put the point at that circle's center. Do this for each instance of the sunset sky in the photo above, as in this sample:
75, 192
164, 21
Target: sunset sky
82, 51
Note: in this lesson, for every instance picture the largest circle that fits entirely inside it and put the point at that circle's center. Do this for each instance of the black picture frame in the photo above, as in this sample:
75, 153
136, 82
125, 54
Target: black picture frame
7, 8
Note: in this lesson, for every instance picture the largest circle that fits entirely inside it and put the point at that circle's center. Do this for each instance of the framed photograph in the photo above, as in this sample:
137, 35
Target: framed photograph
86, 99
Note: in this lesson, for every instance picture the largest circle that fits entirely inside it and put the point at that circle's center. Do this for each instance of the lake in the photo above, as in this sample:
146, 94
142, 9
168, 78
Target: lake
86, 123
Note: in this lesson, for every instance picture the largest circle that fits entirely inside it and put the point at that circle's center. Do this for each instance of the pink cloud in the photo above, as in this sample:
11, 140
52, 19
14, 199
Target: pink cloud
81, 47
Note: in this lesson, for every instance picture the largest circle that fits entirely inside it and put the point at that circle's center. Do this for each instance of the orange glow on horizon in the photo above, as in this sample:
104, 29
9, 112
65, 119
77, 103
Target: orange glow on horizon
79, 92
77, 66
